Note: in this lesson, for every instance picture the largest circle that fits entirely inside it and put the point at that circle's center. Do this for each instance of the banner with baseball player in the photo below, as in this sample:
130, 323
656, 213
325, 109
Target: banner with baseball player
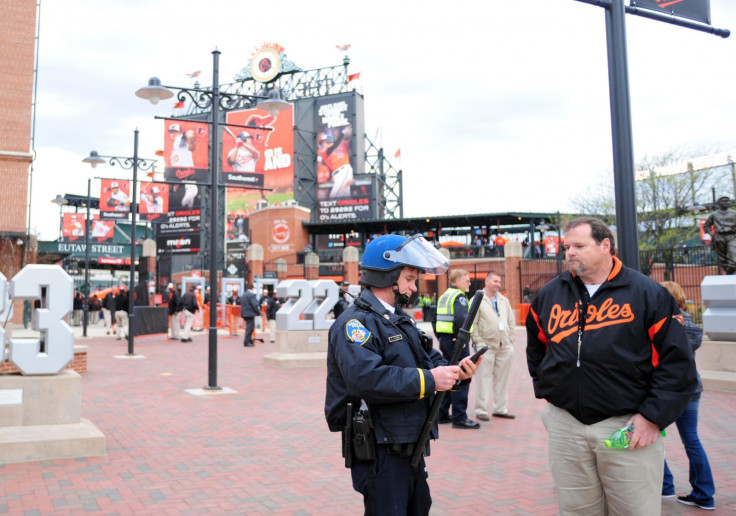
102, 230
73, 228
186, 151
260, 155
343, 192
154, 201
115, 199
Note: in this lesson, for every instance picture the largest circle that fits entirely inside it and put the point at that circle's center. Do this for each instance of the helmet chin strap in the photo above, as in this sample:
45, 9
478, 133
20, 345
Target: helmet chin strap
401, 299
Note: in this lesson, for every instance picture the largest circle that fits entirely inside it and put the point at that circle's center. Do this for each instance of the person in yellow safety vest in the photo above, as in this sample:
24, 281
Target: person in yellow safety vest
452, 309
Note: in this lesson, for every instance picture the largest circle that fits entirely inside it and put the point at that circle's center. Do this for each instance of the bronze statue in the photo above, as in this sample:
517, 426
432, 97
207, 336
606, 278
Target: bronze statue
721, 226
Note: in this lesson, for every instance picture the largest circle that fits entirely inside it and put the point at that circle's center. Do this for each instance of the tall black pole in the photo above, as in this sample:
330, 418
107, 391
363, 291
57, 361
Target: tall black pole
214, 155
131, 281
85, 306
623, 151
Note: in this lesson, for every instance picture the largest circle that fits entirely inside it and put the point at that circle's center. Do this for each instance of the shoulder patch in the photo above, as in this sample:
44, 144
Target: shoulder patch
463, 300
356, 332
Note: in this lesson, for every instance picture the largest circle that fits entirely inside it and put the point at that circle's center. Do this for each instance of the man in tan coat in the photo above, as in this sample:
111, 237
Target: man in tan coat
494, 327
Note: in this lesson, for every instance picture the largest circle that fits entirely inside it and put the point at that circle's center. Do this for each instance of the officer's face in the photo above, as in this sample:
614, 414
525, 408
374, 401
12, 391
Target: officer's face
463, 283
407, 281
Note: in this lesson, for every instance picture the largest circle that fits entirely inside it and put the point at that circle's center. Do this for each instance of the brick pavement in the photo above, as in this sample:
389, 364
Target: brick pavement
266, 449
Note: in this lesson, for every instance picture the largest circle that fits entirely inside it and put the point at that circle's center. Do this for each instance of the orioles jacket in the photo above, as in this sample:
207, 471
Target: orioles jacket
633, 355
384, 364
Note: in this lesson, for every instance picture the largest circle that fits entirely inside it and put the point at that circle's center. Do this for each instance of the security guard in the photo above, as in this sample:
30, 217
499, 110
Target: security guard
452, 308
385, 371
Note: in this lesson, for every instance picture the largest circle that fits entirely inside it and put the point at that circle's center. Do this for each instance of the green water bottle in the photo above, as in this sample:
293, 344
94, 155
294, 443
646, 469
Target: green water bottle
621, 438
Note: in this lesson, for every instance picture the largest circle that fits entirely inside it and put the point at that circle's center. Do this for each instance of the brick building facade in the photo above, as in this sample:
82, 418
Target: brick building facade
17, 59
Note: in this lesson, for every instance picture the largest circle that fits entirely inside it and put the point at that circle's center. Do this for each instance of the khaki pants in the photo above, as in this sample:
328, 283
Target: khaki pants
189, 320
121, 318
593, 480
494, 370
174, 326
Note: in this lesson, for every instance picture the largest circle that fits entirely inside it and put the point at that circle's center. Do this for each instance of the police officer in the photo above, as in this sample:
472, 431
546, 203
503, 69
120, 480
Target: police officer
386, 368
452, 308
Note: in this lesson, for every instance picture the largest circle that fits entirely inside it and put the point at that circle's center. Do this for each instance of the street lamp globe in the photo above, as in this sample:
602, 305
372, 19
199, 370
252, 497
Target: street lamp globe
154, 91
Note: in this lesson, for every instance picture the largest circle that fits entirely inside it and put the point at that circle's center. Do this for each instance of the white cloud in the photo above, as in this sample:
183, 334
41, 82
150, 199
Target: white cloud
495, 105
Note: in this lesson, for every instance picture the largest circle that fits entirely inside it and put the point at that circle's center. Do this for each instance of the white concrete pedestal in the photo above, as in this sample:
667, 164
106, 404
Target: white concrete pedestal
294, 348
40, 419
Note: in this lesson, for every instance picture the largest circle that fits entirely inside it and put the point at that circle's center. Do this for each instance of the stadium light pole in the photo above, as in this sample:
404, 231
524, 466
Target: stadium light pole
216, 102
135, 163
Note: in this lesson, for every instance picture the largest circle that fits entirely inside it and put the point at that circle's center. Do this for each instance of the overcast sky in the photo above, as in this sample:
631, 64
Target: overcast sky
496, 105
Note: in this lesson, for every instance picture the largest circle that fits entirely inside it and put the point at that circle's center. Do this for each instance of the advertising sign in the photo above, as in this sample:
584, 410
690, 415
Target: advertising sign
114, 199
102, 230
186, 151
189, 243
154, 203
335, 147
72, 227
261, 154
342, 193
698, 10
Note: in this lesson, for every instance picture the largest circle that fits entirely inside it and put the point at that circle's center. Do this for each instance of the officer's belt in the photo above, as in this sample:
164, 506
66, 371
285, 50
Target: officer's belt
400, 449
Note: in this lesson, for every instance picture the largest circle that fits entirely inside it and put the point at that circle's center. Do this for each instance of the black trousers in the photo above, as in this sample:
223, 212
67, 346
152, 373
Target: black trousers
390, 486
250, 325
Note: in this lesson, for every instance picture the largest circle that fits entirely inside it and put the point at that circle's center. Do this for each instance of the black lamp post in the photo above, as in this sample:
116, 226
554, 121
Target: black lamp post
216, 102
60, 201
85, 305
135, 163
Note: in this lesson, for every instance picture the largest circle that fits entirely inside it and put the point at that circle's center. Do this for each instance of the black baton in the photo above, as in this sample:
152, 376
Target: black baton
463, 337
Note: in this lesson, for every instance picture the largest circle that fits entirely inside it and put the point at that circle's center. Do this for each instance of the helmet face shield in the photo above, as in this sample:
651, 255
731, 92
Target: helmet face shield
417, 252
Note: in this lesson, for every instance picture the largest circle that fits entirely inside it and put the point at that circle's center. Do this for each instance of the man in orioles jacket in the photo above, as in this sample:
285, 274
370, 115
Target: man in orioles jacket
605, 349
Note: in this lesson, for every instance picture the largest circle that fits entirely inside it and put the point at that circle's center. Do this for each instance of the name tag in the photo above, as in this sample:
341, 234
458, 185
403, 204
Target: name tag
394, 338
500, 325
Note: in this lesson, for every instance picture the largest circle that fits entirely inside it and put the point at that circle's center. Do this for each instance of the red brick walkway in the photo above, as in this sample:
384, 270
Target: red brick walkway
267, 450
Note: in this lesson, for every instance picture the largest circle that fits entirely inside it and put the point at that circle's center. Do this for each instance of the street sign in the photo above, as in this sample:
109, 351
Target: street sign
698, 10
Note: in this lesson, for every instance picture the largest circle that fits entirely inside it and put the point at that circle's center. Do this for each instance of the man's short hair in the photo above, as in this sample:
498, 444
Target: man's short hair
456, 274
598, 229
492, 273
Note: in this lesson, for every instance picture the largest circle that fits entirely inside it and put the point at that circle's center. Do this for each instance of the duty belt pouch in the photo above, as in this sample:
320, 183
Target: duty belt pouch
364, 443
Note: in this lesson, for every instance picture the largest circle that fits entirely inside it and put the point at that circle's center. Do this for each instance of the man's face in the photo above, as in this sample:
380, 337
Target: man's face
493, 284
463, 283
583, 254
173, 134
724, 204
407, 282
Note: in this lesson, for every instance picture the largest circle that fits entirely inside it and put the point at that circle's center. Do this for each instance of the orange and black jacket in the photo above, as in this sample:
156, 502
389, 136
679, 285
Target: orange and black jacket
632, 356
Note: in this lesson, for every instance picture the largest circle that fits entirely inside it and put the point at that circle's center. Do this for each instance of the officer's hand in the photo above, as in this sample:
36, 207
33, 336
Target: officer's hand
445, 377
645, 432
468, 368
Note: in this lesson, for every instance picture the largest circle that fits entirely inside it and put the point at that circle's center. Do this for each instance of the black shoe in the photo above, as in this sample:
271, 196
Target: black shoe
444, 420
174, 338
505, 416
688, 500
249, 345
186, 340
467, 423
